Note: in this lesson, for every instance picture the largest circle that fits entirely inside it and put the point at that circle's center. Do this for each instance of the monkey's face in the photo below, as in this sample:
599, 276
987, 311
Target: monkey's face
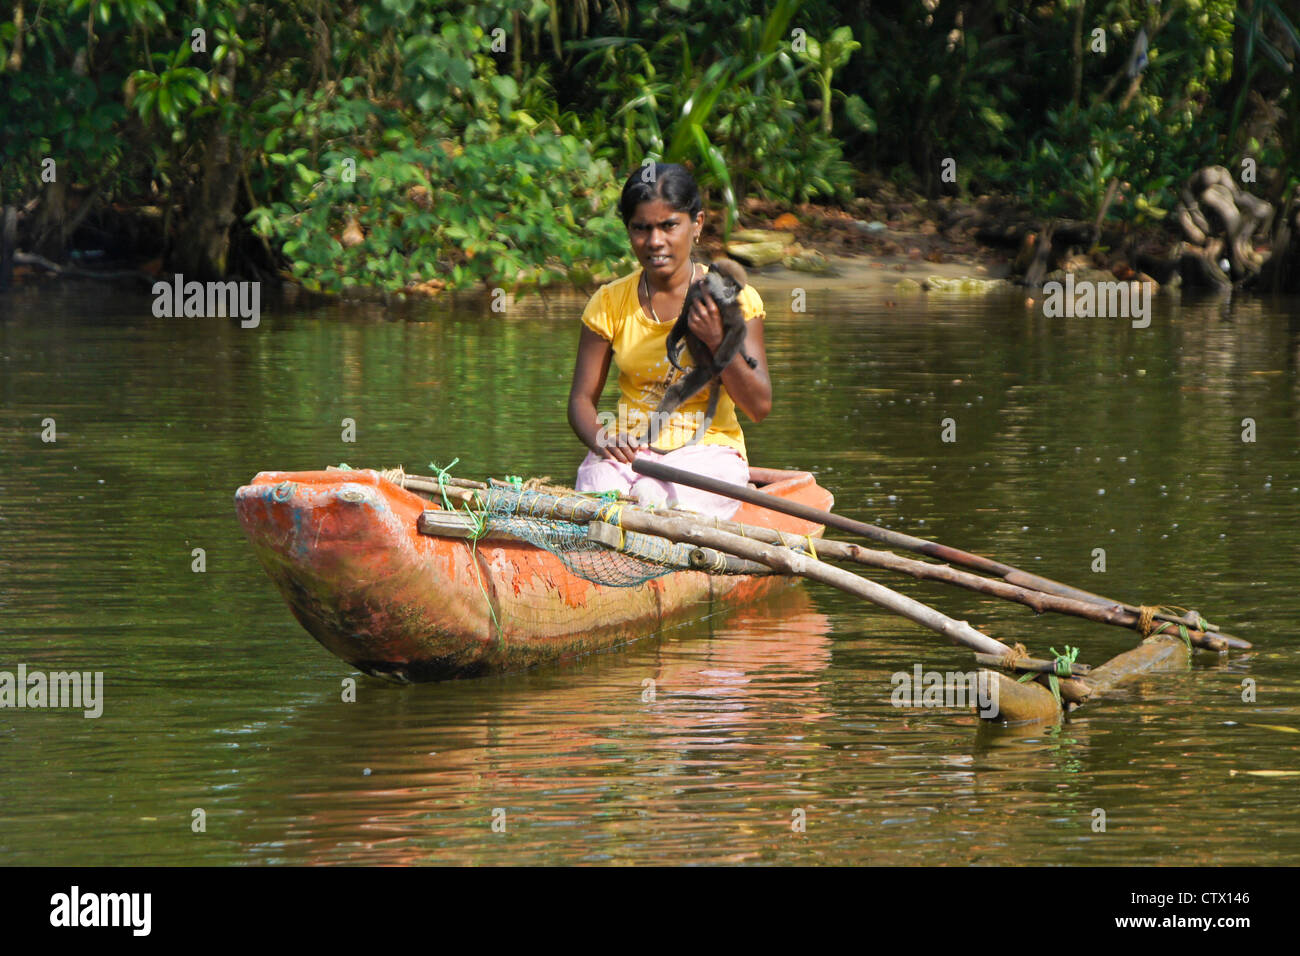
661, 237
721, 289
724, 281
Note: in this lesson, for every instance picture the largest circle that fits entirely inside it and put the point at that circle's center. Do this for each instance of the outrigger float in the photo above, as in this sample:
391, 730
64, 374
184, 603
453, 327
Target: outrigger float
416, 579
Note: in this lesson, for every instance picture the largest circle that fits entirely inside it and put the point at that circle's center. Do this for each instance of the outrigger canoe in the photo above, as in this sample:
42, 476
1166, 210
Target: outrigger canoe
345, 551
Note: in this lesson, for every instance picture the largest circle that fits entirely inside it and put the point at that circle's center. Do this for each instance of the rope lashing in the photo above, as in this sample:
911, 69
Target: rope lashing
1060, 668
444, 479
1148, 627
612, 513
1183, 632
1014, 654
1063, 661
719, 563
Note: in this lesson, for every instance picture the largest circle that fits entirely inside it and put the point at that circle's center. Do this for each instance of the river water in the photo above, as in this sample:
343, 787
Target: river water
771, 737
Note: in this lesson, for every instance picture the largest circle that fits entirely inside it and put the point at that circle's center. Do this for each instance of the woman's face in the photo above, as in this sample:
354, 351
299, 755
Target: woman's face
662, 236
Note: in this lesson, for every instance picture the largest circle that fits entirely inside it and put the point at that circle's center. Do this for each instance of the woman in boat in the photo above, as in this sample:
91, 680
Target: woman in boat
628, 320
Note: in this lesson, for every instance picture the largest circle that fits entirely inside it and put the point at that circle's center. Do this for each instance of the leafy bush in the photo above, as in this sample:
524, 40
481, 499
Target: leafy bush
521, 206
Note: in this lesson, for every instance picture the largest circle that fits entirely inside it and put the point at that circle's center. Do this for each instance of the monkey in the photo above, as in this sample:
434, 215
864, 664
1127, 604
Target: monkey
723, 283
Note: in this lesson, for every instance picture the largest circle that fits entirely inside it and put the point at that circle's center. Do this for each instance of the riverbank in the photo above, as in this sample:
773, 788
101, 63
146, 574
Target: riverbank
872, 245
890, 241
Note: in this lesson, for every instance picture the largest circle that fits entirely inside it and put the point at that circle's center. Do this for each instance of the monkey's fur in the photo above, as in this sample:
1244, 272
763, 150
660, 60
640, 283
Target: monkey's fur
723, 282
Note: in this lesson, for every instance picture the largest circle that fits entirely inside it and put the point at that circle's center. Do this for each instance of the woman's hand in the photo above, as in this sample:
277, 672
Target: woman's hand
706, 321
620, 447
750, 389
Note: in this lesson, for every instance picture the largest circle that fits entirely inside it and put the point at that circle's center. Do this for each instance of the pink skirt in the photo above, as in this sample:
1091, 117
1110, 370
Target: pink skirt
597, 474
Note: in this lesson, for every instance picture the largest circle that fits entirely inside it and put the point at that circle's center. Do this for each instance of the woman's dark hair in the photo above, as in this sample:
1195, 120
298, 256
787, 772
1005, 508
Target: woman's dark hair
667, 181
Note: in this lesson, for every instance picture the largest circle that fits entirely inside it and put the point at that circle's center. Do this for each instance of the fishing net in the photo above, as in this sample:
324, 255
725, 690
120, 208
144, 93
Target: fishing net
523, 514
530, 511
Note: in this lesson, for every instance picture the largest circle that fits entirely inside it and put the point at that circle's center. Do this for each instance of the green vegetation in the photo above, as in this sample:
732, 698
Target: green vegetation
404, 143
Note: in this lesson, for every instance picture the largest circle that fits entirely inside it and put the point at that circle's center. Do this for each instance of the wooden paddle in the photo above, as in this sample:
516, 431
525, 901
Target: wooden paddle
907, 542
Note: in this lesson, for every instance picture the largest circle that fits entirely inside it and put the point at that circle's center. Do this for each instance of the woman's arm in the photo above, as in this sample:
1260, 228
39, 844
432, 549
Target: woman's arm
749, 388
589, 374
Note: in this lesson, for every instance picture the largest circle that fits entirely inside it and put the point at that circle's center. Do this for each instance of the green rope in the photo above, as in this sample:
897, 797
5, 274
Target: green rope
444, 479
1183, 632
1063, 661
1060, 668
479, 518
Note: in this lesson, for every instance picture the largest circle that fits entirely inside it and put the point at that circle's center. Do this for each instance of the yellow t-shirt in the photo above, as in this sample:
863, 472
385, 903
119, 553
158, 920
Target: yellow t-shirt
640, 349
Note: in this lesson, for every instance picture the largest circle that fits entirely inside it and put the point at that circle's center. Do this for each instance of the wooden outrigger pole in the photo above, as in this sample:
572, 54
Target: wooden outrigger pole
689, 541
1017, 701
1131, 616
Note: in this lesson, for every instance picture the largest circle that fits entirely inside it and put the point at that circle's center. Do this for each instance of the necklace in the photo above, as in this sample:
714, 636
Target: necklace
645, 281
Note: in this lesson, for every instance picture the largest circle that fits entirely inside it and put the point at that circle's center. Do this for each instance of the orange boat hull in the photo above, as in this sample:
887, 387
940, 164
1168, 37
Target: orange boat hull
343, 548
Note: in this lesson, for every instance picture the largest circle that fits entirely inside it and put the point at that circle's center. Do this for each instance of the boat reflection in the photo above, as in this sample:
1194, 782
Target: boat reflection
433, 762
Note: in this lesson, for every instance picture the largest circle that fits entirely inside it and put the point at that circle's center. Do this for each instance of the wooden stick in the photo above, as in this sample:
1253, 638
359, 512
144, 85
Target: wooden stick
907, 542
423, 482
719, 562
1017, 702
1026, 665
454, 524
639, 520
1038, 601
664, 551
432, 486
788, 561
652, 548
76, 272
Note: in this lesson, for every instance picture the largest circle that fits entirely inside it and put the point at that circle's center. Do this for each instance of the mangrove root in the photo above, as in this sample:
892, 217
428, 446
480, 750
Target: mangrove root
1219, 220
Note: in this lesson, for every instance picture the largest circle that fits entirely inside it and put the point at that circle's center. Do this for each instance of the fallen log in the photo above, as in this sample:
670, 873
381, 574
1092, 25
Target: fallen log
76, 272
